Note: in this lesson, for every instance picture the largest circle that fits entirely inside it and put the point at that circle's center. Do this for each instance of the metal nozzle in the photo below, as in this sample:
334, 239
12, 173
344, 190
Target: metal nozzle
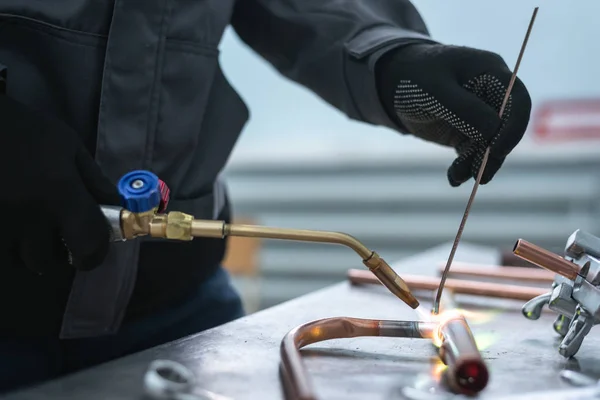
545, 259
391, 280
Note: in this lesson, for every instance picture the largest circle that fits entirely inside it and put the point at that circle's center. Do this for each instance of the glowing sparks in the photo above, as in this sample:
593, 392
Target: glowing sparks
423, 313
316, 332
485, 340
448, 311
437, 370
478, 317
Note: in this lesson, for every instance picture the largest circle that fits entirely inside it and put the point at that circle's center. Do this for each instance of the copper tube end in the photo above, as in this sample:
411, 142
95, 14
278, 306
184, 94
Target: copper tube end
391, 280
545, 259
467, 372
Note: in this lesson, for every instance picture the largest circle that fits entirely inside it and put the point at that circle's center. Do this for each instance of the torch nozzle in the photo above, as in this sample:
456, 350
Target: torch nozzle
391, 280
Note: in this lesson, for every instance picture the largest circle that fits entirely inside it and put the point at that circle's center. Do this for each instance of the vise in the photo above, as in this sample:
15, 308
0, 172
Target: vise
575, 293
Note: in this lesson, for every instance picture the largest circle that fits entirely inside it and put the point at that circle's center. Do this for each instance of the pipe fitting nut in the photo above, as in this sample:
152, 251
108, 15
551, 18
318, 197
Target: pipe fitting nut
179, 226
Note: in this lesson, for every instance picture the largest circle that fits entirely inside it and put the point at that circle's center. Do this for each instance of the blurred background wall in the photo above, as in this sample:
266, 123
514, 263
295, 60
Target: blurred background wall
301, 163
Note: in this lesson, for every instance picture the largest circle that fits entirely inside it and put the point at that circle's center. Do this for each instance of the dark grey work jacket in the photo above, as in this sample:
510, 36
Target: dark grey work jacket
141, 81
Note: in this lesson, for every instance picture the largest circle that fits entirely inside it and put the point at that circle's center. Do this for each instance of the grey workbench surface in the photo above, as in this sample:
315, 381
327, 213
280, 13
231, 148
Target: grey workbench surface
240, 359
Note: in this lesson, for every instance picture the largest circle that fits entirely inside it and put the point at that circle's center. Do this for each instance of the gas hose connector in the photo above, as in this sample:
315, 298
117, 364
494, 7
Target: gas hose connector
142, 196
174, 225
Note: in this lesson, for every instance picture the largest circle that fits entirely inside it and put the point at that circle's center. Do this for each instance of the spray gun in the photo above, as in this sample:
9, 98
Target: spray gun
144, 199
575, 293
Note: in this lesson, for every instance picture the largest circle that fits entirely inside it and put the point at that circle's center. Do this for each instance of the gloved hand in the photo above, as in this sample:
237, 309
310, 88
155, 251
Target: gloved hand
51, 188
452, 96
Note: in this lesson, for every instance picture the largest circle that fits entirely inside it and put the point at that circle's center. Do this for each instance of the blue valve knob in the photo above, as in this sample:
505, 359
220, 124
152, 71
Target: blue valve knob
140, 191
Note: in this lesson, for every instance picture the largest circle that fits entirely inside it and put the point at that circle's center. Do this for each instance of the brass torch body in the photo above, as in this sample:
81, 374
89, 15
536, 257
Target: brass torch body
180, 226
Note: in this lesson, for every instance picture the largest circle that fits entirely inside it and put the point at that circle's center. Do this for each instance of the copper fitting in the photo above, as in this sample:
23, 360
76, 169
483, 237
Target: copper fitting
500, 272
545, 259
296, 382
419, 282
467, 373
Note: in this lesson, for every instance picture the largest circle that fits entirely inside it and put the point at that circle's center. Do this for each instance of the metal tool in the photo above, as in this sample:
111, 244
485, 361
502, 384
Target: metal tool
169, 380
575, 378
145, 197
575, 293
436, 303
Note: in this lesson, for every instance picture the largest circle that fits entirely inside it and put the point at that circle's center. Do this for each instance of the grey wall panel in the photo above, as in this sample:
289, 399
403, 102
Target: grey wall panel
402, 208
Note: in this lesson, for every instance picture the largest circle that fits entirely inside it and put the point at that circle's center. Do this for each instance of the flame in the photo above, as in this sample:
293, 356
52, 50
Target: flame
483, 340
478, 317
437, 370
441, 319
316, 332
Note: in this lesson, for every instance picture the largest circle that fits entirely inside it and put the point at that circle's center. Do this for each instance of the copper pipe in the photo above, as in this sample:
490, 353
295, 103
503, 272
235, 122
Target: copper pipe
545, 259
500, 272
419, 282
296, 382
467, 373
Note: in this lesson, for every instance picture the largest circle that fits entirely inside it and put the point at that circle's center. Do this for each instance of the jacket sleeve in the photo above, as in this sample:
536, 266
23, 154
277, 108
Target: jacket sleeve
331, 46
2, 79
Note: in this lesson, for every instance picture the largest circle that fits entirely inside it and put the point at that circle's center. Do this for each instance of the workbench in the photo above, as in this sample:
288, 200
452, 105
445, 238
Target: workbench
241, 359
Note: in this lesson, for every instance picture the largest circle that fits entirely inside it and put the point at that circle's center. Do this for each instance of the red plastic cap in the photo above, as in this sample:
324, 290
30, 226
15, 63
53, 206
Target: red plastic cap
164, 196
472, 376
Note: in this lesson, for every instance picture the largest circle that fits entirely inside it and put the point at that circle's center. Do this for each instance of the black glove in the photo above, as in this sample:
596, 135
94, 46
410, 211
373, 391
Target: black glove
50, 193
452, 96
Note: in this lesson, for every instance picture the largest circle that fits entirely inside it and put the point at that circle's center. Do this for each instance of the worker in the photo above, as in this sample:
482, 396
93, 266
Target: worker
95, 89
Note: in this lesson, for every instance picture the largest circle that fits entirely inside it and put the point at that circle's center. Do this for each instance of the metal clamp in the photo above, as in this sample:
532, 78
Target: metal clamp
575, 293
166, 380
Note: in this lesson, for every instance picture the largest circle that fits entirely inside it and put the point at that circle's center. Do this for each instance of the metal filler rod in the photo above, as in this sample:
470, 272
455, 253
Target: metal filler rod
436, 303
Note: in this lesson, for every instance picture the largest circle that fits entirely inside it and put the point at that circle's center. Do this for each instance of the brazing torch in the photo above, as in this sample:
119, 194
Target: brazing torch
144, 199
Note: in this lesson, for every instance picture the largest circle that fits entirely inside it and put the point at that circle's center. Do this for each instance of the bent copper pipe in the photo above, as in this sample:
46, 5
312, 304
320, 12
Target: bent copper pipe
296, 382
545, 259
418, 282
504, 272
466, 373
